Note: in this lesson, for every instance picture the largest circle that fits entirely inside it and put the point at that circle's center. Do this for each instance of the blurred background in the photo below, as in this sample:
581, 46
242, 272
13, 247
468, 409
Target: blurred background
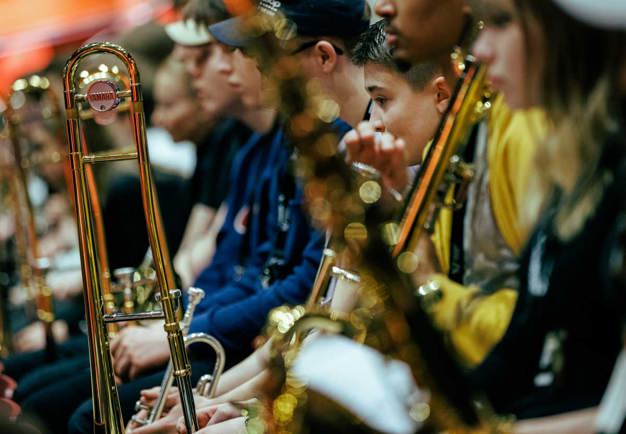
35, 32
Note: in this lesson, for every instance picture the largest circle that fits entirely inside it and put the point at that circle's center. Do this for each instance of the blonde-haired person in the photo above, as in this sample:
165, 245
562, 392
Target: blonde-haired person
566, 331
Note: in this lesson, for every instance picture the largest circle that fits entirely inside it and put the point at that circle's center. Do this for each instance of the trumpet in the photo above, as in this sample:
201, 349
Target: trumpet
103, 96
207, 384
31, 100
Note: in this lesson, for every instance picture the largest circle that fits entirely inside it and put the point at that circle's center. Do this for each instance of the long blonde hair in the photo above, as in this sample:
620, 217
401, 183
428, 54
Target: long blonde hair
579, 92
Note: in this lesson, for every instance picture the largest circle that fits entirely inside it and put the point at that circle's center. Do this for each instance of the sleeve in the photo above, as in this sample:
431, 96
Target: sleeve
513, 138
473, 320
236, 323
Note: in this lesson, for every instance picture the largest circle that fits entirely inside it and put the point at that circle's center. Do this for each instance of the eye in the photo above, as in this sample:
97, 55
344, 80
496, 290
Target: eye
380, 101
501, 19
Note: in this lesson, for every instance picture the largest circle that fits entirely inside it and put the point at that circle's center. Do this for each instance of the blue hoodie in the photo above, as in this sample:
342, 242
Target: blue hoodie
278, 232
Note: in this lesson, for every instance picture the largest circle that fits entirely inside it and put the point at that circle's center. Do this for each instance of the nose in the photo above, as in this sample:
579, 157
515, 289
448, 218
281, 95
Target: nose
224, 62
385, 8
194, 70
483, 48
376, 116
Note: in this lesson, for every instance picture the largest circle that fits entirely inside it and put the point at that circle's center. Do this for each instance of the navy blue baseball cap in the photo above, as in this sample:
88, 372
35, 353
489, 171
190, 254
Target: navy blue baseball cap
340, 18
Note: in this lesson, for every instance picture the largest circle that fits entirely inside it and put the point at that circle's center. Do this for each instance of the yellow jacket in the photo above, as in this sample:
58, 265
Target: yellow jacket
475, 321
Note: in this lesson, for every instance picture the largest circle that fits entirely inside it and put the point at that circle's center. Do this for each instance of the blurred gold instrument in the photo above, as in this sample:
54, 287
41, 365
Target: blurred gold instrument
31, 102
101, 96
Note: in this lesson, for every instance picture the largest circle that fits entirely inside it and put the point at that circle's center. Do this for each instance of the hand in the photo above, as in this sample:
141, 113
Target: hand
65, 284
428, 262
231, 426
168, 423
137, 349
212, 415
33, 336
382, 151
148, 397
182, 265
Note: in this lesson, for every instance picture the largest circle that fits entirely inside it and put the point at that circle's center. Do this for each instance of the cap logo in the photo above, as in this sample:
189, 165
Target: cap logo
102, 96
269, 7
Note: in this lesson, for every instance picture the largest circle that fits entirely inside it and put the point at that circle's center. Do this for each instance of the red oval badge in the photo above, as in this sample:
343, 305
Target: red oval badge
102, 96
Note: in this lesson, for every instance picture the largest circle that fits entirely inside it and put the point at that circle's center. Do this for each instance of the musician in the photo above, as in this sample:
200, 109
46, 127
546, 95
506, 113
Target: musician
217, 99
407, 104
566, 330
506, 39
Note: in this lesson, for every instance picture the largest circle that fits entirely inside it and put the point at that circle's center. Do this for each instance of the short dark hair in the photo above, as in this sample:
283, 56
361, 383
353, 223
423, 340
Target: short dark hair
372, 49
205, 12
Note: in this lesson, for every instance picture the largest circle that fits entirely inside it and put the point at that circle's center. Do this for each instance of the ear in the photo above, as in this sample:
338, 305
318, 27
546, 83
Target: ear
442, 94
325, 56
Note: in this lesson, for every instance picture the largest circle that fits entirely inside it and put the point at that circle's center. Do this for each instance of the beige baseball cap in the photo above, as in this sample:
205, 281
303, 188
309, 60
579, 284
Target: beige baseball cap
188, 32
607, 14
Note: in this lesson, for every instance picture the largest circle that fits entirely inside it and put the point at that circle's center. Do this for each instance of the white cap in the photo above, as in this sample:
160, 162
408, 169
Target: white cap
188, 32
607, 14
379, 391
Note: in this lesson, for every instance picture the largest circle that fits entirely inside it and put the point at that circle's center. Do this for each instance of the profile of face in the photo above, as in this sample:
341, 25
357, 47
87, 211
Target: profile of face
247, 79
406, 112
422, 30
176, 109
502, 45
208, 67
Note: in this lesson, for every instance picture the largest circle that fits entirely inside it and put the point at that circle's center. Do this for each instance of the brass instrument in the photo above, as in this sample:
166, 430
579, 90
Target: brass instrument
103, 96
31, 100
207, 384
6, 203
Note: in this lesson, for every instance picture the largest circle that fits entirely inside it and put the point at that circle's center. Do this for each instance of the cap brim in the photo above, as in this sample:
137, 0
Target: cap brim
231, 32
188, 33
606, 14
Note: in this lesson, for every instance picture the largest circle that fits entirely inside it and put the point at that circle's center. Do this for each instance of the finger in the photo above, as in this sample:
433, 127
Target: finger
140, 415
181, 428
367, 133
147, 396
351, 139
205, 416
115, 343
121, 365
171, 400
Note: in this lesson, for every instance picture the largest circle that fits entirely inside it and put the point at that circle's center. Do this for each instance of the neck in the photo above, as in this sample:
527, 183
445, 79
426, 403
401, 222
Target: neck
351, 97
259, 120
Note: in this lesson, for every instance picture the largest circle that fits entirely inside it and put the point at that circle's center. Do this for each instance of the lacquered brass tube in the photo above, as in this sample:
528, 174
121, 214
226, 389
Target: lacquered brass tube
32, 273
107, 414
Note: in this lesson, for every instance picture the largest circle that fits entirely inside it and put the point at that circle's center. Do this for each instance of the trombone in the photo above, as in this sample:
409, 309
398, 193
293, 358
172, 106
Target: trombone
103, 96
25, 94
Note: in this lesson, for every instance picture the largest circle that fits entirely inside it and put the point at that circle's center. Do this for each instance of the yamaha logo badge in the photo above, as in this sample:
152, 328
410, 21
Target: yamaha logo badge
102, 96
269, 7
